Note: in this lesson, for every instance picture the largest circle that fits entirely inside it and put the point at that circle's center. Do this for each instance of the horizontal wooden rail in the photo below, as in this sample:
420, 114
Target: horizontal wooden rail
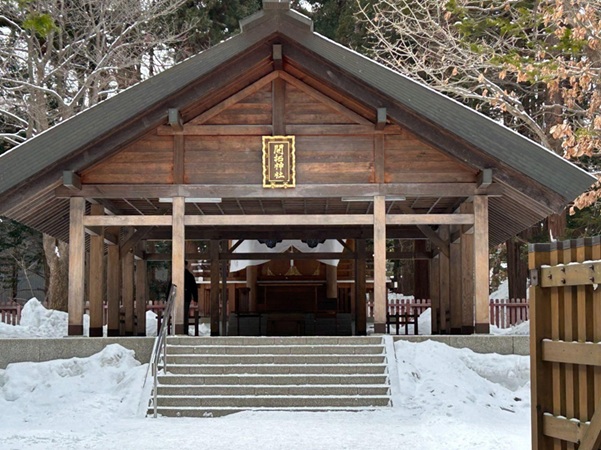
570, 430
587, 353
573, 274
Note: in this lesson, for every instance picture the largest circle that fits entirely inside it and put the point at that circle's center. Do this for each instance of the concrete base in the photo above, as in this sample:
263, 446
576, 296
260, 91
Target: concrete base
503, 345
37, 350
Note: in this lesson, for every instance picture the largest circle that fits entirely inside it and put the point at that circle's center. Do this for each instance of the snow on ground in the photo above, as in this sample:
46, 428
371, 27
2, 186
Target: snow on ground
448, 398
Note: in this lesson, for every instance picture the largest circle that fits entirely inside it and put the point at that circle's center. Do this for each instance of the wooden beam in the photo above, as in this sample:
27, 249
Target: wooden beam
591, 439
276, 55
278, 107
380, 279
77, 252
276, 220
284, 256
228, 102
315, 94
570, 430
175, 120
141, 297
455, 292
179, 158
118, 191
113, 289
96, 278
435, 292
481, 264
71, 180
127, 221
587, 353
379, 159
380, 118
360, 278
191, 129
444, 290
178, 250
429, 219
127, 292
214, 251
467, 276
134, 239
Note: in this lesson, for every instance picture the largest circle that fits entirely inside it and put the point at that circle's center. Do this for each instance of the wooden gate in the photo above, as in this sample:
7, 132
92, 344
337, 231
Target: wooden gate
565, 344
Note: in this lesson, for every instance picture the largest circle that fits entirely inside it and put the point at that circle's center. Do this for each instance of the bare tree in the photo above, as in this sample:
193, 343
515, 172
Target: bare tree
59, 57
533, 65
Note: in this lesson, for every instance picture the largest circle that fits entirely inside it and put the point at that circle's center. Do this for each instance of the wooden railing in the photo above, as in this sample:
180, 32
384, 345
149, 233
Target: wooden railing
565, 344
503, 313
10, 313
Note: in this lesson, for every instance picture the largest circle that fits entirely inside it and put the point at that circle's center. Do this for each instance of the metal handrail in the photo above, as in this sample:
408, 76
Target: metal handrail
160, 344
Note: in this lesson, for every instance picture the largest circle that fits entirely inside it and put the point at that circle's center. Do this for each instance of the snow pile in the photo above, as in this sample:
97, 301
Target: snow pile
103, 386
37, 321
521, 329
442, 386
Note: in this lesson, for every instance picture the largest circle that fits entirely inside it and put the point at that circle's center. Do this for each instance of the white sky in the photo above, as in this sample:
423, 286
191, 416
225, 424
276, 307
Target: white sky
450, 399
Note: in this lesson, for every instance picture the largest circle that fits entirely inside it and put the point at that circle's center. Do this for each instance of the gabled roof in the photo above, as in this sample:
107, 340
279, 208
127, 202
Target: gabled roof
523, 166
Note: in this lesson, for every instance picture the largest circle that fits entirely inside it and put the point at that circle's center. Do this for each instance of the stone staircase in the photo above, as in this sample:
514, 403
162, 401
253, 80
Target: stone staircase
210, 377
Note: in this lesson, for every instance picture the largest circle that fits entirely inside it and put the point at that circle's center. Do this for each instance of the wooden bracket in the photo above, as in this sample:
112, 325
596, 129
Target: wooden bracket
380, 118
71, 180
175, 120
484, 178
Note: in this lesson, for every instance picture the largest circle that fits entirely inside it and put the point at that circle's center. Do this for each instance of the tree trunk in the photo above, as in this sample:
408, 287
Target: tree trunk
57, 260
517, 269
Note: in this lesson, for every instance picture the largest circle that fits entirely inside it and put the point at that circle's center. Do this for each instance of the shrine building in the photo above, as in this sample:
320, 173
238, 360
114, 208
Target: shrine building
282, 163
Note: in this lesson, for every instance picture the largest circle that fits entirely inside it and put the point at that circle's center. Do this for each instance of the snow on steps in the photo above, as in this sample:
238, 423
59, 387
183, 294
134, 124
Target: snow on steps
209, 377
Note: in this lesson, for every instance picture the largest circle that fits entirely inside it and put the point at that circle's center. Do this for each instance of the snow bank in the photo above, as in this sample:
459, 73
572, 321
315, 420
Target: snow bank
105, 385
39, 322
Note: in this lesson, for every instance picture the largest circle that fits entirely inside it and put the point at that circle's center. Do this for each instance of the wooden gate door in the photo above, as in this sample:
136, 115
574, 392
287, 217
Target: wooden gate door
565, 344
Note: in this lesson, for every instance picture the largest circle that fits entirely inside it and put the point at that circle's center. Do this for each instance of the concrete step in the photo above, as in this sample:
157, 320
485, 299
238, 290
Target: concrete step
274, 359
273, 401
224, 411
276, 369
208, 349
261, 340
282, 379
262, 390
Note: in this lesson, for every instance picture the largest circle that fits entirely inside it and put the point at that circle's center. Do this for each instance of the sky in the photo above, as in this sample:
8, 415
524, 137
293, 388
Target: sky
448, 399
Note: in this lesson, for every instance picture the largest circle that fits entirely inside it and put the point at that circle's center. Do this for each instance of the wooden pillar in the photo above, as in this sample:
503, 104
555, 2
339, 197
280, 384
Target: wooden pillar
251, 284
380, 290
421, 287
359, 294
444, 292
467, 274
96, 277
224, 296
141, 296
113, 288
214, 254
77, 252
455, 287
178, 250
481, 264
435, 293
331, 281
127, 292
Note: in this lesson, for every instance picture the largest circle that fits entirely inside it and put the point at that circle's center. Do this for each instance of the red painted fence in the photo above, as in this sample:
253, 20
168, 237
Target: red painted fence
504, 313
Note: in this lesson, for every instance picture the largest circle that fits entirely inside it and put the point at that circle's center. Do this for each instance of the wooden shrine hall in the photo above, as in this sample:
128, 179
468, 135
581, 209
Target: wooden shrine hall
279, 134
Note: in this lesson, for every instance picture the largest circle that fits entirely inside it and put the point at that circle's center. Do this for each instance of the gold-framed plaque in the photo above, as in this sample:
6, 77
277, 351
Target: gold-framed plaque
279, 161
